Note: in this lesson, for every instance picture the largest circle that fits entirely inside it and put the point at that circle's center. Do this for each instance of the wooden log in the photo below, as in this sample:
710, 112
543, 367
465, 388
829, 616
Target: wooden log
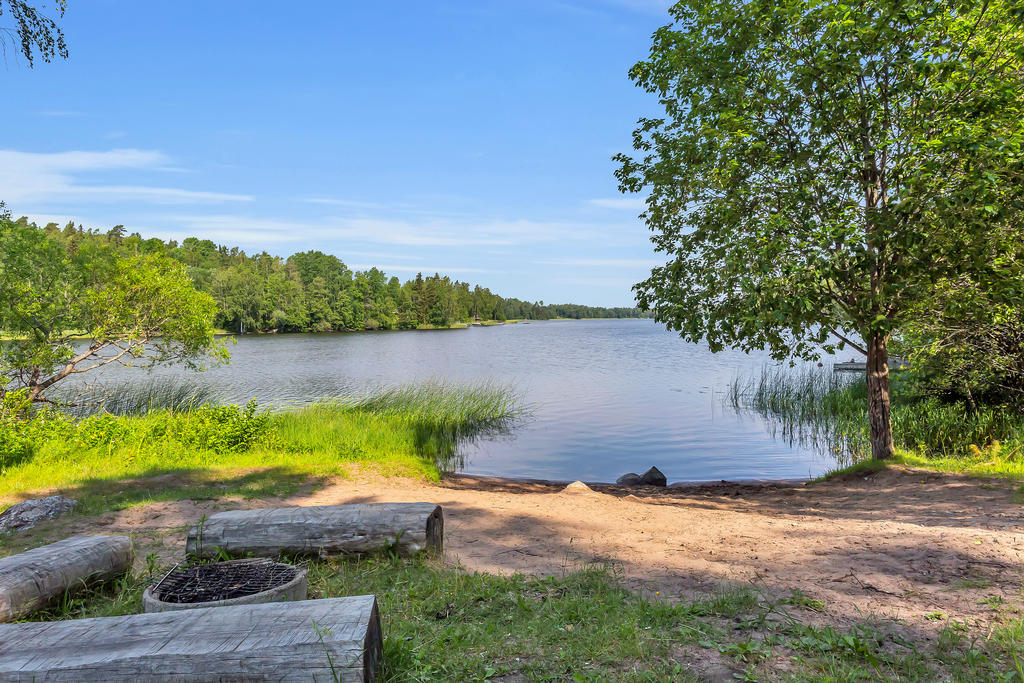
407, 528
30, 580
312, 640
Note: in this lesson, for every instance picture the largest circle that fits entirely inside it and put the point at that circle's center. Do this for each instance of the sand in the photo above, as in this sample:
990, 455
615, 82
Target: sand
898, 545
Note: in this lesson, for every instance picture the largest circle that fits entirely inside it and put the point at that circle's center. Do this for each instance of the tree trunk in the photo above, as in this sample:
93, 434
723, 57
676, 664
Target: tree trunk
879, 420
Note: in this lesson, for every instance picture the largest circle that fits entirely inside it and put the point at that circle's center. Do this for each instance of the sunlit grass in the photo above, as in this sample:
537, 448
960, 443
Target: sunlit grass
415, 431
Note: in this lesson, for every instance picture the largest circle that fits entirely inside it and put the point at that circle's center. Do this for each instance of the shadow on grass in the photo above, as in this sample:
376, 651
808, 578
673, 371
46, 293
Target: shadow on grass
101, 495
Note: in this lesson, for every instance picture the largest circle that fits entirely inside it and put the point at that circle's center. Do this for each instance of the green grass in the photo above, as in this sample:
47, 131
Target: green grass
443, 624
415, 431
827, 410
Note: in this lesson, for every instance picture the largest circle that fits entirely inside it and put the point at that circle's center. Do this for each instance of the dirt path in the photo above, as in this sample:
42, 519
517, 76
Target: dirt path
901, 544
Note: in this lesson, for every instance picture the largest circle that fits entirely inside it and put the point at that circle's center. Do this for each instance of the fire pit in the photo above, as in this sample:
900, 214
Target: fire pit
238, 582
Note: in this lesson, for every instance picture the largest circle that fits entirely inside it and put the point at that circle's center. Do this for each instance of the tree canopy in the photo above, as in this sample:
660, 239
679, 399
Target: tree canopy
65, 312
823, 166
315, 292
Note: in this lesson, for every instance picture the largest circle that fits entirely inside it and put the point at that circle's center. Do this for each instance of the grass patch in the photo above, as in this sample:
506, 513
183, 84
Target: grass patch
412, 431
443, 623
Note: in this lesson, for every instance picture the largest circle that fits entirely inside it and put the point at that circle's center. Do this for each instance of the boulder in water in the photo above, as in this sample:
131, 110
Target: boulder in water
654, 477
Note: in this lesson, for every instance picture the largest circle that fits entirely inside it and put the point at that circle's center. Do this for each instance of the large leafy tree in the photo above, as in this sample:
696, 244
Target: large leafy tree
822, 164
64, 313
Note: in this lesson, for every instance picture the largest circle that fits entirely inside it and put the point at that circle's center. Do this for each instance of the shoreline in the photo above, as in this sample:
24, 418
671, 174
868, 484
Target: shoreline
681, 486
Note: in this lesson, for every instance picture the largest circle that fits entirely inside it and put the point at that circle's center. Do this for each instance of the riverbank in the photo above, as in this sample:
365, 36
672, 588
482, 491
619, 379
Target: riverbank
899, 574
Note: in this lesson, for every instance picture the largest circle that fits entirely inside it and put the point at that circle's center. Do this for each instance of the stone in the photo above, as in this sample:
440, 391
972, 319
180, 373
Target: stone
629, 479
29, 513
577, 487
654, 477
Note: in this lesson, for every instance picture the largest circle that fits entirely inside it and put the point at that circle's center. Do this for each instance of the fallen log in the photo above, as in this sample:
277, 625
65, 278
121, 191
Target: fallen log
323, 640
406, 528
30, 580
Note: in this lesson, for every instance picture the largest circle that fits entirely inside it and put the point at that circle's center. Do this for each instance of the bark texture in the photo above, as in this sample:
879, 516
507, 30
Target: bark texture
321, 640
407, 528
879, 420
30, 580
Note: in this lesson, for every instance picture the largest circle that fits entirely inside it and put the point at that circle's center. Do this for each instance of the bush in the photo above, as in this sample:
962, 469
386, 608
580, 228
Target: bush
24, 429
965, 347
221, 429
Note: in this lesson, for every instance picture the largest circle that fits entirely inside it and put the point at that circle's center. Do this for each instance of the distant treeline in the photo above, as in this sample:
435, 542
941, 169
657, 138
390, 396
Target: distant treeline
316, 292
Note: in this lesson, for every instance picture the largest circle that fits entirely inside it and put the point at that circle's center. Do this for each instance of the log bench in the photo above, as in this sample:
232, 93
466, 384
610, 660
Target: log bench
406, 528
30, 580
313, 640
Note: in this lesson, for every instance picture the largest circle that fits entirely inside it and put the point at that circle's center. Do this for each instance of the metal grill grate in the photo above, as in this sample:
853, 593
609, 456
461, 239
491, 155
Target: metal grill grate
222, 580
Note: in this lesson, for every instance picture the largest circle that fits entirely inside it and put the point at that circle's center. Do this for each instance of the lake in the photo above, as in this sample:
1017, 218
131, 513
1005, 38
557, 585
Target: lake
607, 396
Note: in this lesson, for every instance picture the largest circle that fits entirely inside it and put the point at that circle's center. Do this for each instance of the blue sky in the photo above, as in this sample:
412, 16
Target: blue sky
472, 138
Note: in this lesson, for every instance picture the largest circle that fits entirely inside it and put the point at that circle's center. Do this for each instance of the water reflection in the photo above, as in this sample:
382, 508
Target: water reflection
607, 396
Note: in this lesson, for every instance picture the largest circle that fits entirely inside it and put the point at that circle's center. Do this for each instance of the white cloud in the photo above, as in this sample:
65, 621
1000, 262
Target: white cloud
55, 177
627, 203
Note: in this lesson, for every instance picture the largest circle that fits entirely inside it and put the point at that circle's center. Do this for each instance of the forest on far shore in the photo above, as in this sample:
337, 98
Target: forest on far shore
316, 292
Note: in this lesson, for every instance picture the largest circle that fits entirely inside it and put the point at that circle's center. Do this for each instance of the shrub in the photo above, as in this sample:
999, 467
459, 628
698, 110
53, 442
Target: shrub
23, 429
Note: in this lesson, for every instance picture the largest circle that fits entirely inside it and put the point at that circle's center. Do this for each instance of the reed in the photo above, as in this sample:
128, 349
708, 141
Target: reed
440, 417
811, 406
134, 397
817, 407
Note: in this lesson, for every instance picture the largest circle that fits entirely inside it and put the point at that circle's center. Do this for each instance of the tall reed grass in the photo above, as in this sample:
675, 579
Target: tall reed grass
819, 408
810, 406
134, 397
443, 417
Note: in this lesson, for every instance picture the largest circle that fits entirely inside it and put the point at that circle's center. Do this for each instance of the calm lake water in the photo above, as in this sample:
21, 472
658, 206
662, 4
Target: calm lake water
607, 396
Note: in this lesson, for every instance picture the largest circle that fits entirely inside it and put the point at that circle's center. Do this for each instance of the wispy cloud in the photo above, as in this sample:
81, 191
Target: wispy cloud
426, 270
626, 203
348, 203
58, 177
603, 262
429, 232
